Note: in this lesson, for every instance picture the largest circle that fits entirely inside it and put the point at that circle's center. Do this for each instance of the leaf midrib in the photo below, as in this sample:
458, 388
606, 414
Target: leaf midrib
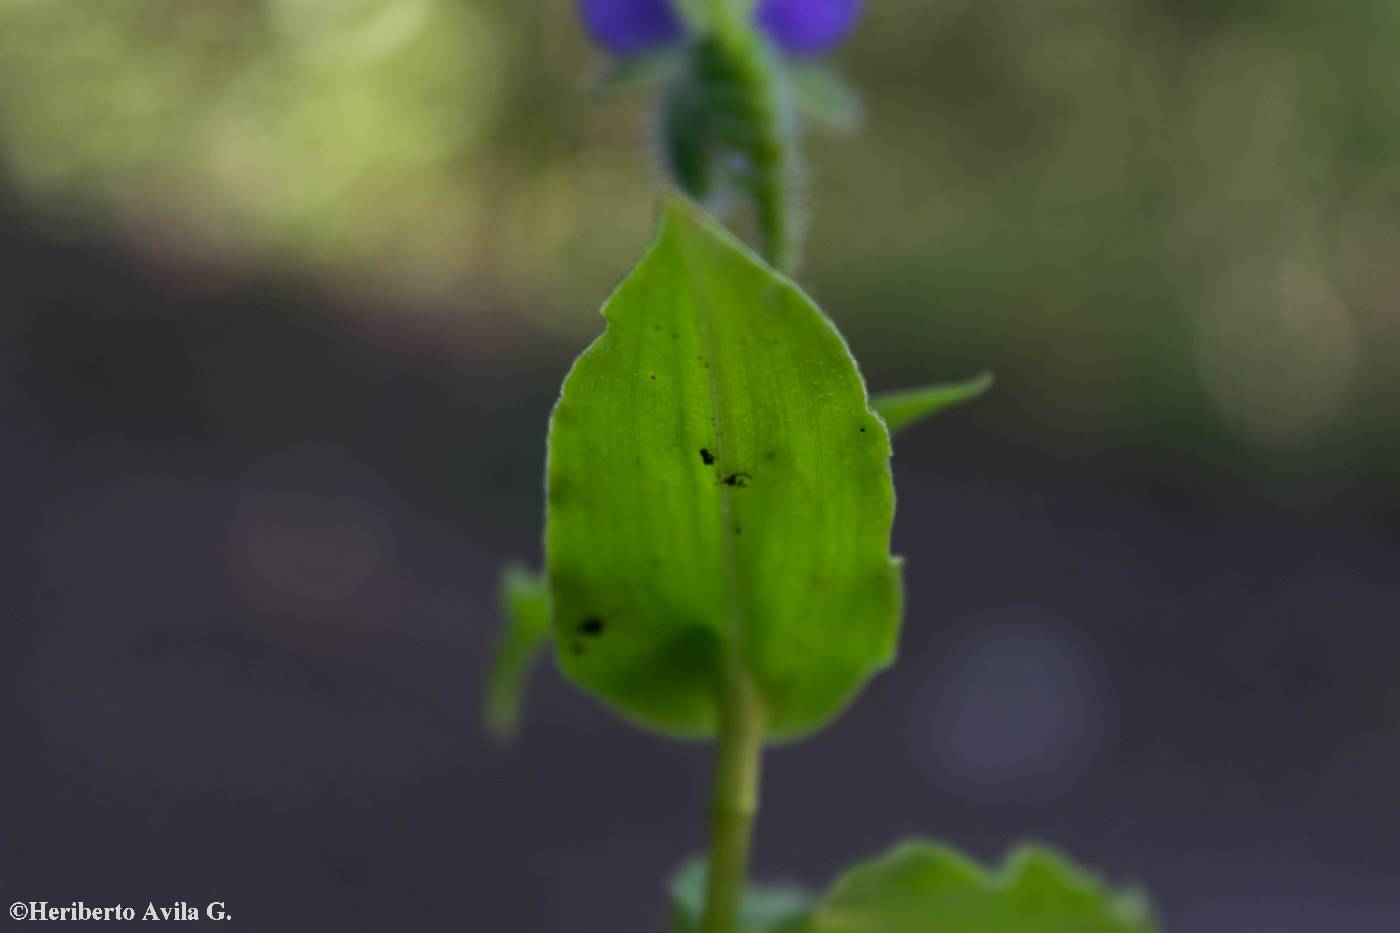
734, 623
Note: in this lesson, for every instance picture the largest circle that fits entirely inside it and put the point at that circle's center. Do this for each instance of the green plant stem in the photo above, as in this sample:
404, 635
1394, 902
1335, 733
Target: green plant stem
735, 804
741, 719
768, 144
727, 18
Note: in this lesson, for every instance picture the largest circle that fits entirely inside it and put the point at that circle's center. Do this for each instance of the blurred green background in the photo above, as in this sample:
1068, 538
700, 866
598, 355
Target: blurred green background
1171, 226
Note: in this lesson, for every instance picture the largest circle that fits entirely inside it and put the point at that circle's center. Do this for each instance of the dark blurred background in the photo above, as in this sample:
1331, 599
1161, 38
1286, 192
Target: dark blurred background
288, 288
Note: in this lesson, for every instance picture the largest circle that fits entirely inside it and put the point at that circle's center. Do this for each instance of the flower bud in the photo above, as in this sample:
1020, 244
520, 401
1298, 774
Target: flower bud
626, 27
806, 27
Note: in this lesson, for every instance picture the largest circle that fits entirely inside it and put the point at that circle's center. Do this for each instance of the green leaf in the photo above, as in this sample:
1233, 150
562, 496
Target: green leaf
525, 605
719, 494
643, 70
909, 406
765, 908
825, 97
922, 887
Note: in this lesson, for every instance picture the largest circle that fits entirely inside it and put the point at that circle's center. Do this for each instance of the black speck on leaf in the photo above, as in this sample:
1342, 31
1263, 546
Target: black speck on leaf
707, 457
652, 377
592, 626
862, 430
739, 480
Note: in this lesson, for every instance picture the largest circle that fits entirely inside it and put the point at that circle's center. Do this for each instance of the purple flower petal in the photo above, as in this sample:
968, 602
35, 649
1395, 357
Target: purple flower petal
804, 27
626, 27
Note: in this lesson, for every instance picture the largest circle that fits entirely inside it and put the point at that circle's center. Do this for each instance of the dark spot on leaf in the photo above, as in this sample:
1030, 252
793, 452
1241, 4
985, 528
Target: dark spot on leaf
652, 377
862, 430
771, 455
707, 457
737, 479
738, 530
592, 626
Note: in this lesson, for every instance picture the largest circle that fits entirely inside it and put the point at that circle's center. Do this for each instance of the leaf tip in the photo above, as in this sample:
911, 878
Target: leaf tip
905, 407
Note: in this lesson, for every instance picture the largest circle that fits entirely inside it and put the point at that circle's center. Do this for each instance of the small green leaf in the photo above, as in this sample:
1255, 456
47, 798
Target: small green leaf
642, 70
525, 605
923, 887
719, 494
781, 908
825, 97
909, 406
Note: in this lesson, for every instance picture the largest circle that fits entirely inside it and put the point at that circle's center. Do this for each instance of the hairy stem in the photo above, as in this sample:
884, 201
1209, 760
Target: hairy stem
735, 801
768, 143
